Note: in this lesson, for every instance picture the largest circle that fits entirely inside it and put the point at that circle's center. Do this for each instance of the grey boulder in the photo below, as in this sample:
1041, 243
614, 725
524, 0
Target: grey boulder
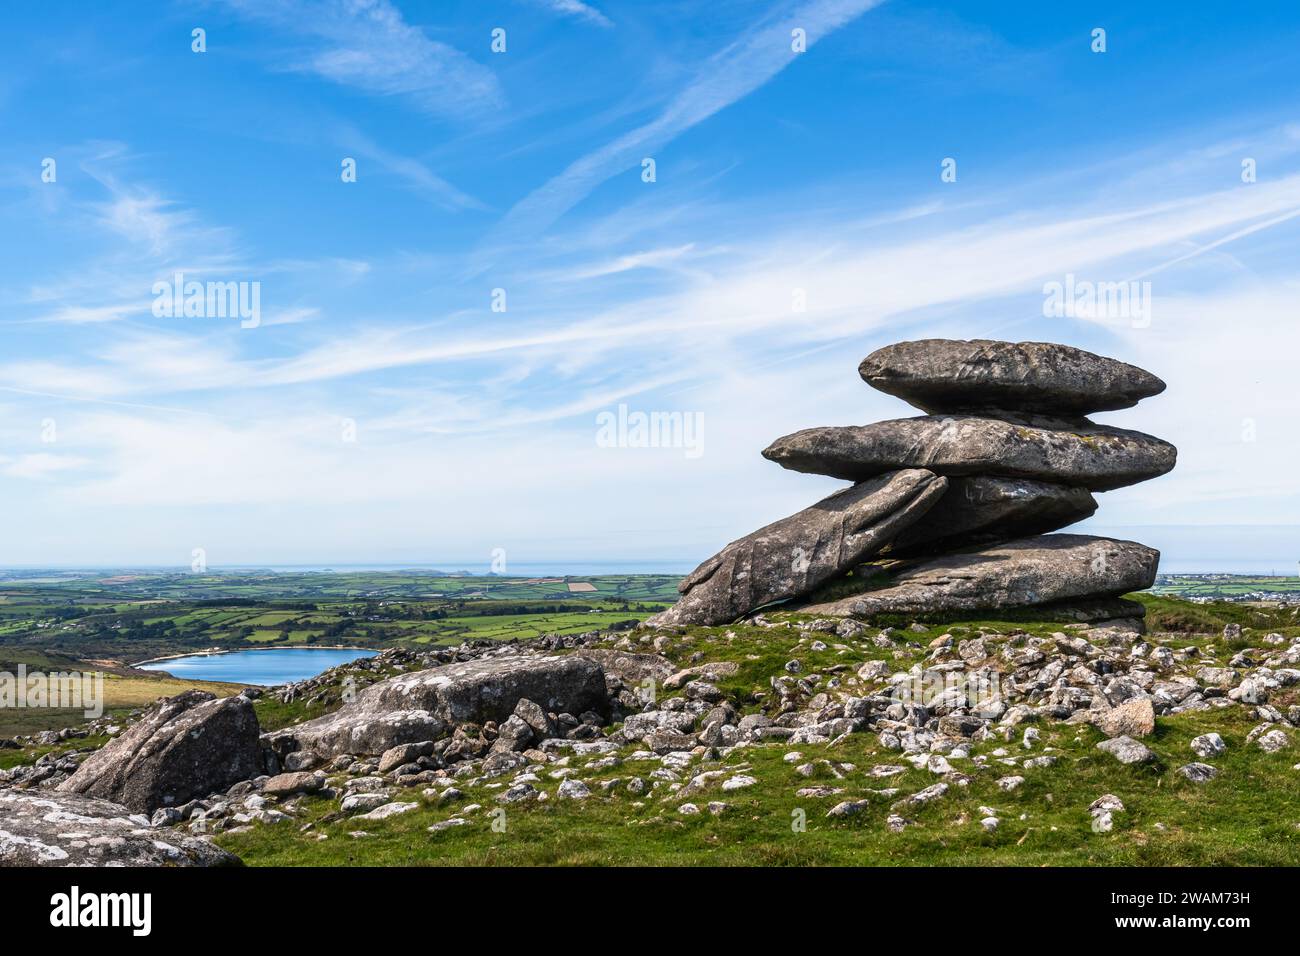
791, 557
1081, 454
947, 375
982, 510
632, 669
45, 828
1127, 750
186, 746
1024, 573
425, 705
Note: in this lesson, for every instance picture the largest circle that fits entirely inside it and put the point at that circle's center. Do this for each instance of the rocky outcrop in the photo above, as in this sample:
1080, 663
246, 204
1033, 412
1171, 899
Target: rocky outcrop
1096, 457
428, 704
793, 556
47, 828
1023, 573
184, 747
982, 510
980, 375
1006, 432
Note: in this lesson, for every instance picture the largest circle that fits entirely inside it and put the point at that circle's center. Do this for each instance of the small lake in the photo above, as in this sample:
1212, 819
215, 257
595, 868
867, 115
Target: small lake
277, 665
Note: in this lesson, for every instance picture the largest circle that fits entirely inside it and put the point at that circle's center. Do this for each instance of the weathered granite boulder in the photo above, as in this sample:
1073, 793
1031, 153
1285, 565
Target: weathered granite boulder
981, 510
949, 376
427, 705
630, 668
186, 746
1023, 573
1081, 454
46, 828
791, 557
1132, 718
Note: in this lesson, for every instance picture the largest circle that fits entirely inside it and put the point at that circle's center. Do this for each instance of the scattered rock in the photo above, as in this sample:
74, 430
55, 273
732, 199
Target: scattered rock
1198, 772
388, 810
573, 790
1133, 718
1208, 745
1126, 750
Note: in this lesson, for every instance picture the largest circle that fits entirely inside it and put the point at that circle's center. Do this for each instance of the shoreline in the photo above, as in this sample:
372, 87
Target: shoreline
216, 652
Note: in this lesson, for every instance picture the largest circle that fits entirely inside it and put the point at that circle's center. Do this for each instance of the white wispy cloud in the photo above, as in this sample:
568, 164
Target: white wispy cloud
729, 75
577, 9
416, 175
368, 45
40, 465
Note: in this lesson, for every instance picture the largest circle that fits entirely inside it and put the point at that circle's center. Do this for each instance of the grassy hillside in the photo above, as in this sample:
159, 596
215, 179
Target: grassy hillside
1247, 815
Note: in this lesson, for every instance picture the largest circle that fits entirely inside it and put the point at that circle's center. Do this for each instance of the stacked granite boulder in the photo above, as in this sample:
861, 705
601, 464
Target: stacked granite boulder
953, 508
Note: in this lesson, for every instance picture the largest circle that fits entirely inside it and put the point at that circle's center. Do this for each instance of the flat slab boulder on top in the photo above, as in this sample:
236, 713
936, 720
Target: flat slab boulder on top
426, 705
48, 828
1080, 454
949, 375
187, 746
1024, 573
981, 510
791, 557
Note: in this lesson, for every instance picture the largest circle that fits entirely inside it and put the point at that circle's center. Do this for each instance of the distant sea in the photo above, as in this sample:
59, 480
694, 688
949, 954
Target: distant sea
550, 569
522, 569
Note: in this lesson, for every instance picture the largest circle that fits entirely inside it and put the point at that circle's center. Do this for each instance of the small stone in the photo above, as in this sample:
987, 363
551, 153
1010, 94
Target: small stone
1198, 772
989, 823
1273, 741
359, 802
848, 808
688, 809
738, 782
388, 810
1107, 801
447, 825
518, 793
1133, 718
573, 790
1208, 745
1126, 750
1010, 783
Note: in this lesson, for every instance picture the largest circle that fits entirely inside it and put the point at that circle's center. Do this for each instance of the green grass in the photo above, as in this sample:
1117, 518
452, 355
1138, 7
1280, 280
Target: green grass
1246, 816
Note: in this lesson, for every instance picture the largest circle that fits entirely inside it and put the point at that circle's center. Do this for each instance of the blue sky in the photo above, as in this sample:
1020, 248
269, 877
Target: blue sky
382, 411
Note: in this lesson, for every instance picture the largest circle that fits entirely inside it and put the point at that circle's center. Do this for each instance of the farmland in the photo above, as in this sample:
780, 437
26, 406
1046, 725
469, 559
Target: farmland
127, 616
1229, 587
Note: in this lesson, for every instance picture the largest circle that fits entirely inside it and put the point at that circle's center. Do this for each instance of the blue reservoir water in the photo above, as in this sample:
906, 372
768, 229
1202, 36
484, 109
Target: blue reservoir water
278, 665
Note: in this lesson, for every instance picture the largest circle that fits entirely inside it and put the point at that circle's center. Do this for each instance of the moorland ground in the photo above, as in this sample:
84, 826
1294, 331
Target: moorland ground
1246, 815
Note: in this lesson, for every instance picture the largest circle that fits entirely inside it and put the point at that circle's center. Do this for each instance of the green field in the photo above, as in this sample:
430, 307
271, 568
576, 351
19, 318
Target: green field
129, 617
1229, 587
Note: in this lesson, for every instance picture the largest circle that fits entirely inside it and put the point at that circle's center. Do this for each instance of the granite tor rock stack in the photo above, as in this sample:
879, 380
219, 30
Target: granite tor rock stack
956, 505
